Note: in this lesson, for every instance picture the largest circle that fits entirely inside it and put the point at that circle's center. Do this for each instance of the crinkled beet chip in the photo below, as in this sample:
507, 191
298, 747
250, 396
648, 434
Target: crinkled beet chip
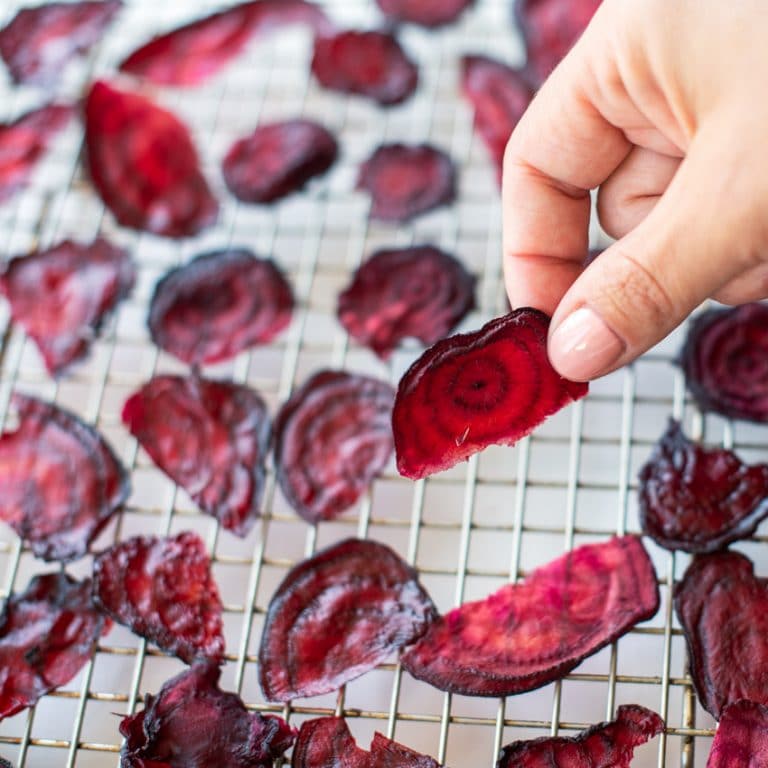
83, 284
210, 437
59, 480
144, 164
469, 391
163, 589
529, 634
420, 292
338, 615
331, 439
192, 723
697, 499
427, 13
5, 763
218, 305
741, 740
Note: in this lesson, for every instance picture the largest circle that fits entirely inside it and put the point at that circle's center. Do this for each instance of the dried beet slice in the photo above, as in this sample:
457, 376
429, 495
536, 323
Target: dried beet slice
419, 292
218, 305
5, 763
427, 13
741, 740
528, 634
192, 723
60, 482
83, 284
209, 437
331, 440
336, 616
475, 389
725, 360
163, 589
144, 164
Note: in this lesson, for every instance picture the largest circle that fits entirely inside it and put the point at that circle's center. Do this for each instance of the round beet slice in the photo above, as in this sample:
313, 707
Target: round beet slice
278, 159
741, 740
218, 305
472, 390
336, 616
420, 292
331, 440
427, 13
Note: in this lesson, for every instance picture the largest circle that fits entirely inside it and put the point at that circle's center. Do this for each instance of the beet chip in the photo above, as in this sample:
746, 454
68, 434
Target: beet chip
47, 635
528, 634
427, 13
209, 437
370, 64
218, 305
331, 439
59, 480
475, 389
144, 164
741, 740
163, 589
192, 723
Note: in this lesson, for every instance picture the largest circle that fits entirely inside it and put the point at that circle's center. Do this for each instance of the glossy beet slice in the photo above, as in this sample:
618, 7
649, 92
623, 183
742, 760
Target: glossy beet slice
475, 389
218, 305
741, 740
163, 589
528, 634
419, 292
192, 723
336, 616
83, 284
59, 480
210, 437
331, 440
427, 13
144, 164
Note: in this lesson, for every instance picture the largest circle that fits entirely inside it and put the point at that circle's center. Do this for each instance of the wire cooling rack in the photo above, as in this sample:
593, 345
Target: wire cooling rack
467, 531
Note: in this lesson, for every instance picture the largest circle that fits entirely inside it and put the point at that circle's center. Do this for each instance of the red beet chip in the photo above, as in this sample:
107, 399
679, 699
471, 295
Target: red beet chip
370, 64
218, 305
192, 723
209, 437
336, 616
163, 589
427, 13
59, 480
331, 440
528, 634
144, 164
492, 386
741, 740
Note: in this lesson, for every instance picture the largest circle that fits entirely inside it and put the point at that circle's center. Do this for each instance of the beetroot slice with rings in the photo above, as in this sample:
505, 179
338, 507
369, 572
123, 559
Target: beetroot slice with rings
427, 13
336, 616
332, 438
469, 391
741, 740
528, 634
218, 305
209, 437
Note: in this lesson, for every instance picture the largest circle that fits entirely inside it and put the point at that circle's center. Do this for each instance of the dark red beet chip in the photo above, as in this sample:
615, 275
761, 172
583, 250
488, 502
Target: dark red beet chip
492, 386
336, 616
144, 164
527, 635
370, 64
192, 723
163, 589
741, 740
83, 284
209, 437
5, 763
218, 305
427, 13
59, 480
331, 439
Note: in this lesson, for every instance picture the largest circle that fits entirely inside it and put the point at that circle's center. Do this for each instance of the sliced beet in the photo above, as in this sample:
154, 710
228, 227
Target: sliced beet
419, 292
163, 589
144, 164
725, 360
192, 723
218, 305
741, 740
528, 634
370, 64
59, 480
336, 616
83, 285
331, 440
427, 13
209, 437
491, 386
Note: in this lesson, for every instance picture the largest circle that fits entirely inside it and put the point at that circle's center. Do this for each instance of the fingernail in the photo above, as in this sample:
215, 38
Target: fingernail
583, 346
